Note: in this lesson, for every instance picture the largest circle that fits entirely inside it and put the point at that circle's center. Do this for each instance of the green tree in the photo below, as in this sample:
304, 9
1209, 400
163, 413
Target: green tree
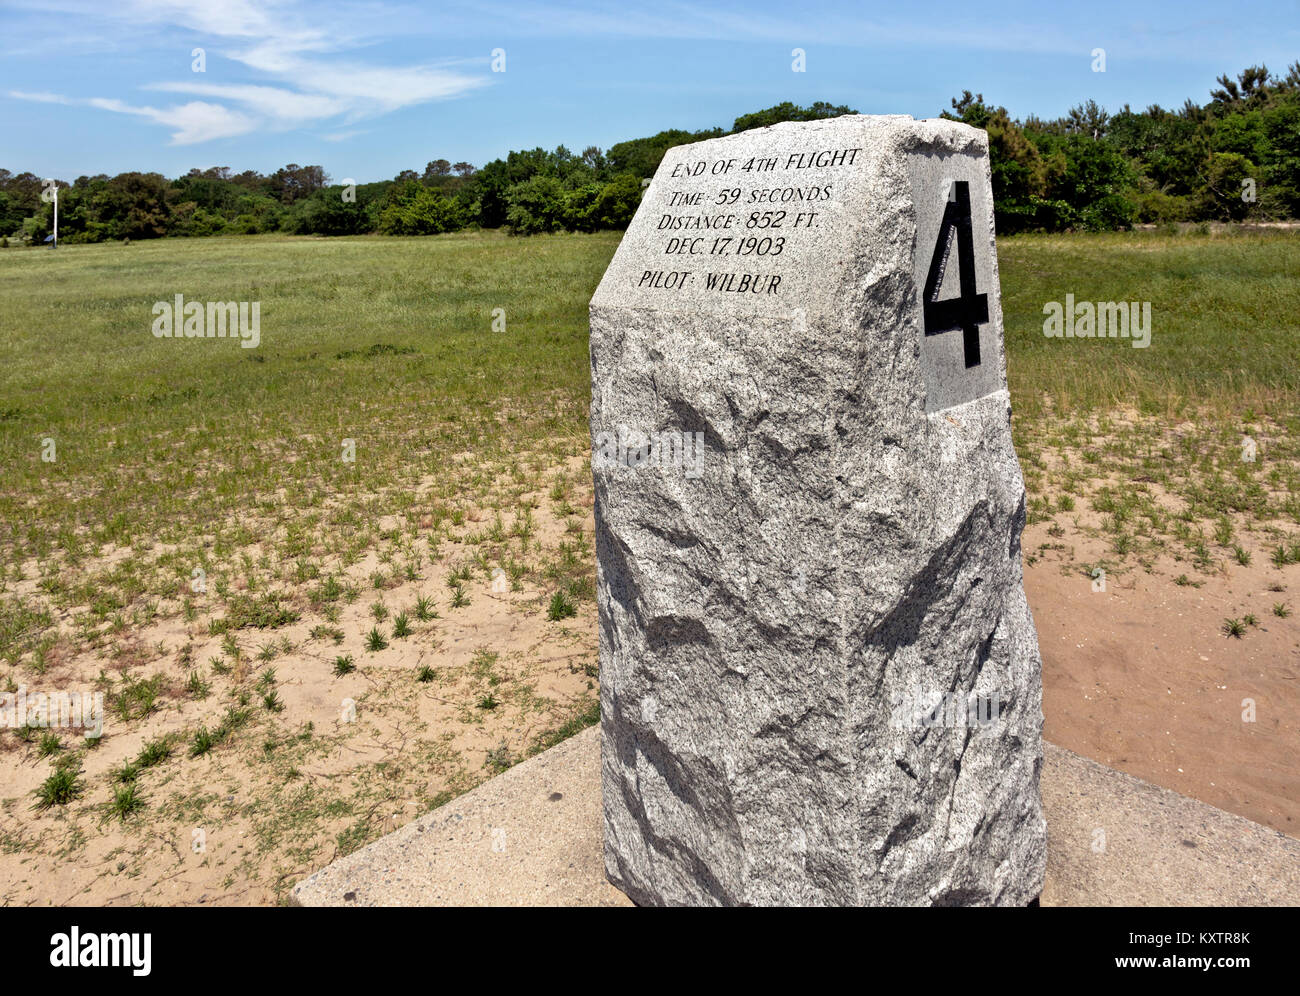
134, 206
1220, 195
414, 209
789, 112
536, 205
618, 202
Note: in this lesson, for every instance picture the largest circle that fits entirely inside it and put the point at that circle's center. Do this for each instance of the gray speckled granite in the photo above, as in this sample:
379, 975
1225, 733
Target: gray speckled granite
850, 536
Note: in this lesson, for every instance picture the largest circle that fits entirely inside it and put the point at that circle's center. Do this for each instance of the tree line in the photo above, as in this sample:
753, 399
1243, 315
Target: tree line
1234, 158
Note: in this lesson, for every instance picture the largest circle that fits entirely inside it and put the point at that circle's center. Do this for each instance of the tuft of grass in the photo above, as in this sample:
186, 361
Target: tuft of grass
265, 611
127, 772
1284, 555
202, 742
1234, 627
1280, 610
197, 687
137, 698
323, 632
426, 674
126, 800
344, 664
60, 788
49, 744
500, 759
424, 609
401, 626
154, 752
589, 715
561, 607
375, 641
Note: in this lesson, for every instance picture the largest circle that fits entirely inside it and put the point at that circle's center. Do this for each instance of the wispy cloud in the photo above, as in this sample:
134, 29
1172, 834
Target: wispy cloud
298, 57
194, 122
41, 98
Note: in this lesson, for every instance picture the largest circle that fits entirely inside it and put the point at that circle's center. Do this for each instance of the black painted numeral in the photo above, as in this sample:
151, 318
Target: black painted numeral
968, 310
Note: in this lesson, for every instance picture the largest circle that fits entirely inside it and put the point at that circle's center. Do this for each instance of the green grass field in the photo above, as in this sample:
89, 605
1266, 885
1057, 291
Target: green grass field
186, 452
1225, 316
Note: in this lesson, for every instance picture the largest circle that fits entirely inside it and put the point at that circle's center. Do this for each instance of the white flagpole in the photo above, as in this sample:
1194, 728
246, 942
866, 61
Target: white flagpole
56, 216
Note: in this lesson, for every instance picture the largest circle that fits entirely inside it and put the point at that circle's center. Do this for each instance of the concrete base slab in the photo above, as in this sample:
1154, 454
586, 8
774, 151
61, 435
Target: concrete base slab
533, 837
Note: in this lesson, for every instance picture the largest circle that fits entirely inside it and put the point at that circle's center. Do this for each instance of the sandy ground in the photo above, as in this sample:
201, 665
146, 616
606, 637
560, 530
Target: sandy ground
296, 787
1142, 677
1139, 677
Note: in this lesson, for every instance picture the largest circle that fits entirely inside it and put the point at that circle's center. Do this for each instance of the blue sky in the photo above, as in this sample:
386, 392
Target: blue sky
367, 89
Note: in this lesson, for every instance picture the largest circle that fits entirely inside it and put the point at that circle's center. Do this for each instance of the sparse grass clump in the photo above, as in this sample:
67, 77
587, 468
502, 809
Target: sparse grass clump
154, 752
327, 633
137, 698
197, 687
201, 742
1285, 554
401, 626
500, 758
561, 607
265, 611
126, 800
49, 744
61, 787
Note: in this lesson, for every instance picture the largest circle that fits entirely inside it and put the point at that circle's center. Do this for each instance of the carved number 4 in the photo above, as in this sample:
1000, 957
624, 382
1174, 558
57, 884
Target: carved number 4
968, 310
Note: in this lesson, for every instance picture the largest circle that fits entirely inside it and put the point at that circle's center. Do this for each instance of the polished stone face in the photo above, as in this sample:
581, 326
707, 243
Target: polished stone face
819, 676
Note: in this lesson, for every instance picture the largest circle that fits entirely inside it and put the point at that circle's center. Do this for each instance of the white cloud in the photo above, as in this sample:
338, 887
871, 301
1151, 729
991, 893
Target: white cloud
194, 122
41, 98
295, 53
286, 107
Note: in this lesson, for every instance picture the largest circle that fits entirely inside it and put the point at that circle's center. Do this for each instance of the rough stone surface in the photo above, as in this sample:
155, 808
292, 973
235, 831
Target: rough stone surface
846, 534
